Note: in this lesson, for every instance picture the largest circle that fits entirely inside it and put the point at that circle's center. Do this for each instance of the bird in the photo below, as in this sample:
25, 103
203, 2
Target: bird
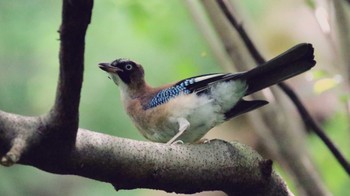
184, 111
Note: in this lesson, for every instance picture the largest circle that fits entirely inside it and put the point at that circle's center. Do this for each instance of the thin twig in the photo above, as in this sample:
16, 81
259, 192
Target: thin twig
244, 35
307, 119
311, 123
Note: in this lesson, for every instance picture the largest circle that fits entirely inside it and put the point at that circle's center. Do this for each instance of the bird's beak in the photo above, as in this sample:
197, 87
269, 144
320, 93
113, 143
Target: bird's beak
108, 68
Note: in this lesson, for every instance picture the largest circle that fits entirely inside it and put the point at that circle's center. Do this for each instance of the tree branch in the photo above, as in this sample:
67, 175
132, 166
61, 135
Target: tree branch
61, 123
259, 59
76, 16
129, 164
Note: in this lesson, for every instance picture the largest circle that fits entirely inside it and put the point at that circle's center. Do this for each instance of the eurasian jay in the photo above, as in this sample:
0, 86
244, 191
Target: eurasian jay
186, 110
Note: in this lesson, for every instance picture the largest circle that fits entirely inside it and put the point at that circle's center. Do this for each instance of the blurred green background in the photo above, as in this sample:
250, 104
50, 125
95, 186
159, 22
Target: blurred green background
159, 34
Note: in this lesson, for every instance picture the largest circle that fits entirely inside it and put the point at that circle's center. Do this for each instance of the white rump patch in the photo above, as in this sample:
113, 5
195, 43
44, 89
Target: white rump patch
227, 94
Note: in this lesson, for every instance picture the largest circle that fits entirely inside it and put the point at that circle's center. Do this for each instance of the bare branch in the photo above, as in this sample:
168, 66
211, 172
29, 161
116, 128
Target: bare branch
129, 164
16, 129
64, 115
76, 16
244, 35
310, 122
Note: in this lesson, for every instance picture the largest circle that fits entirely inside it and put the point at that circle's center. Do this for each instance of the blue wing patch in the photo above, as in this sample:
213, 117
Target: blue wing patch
165, 95
199, 84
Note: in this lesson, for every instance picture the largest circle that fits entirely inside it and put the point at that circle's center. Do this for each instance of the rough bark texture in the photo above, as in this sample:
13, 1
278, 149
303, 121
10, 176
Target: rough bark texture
127, 164
54, 143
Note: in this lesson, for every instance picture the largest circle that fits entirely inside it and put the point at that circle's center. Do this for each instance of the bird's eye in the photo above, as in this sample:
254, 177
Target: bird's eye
128, 67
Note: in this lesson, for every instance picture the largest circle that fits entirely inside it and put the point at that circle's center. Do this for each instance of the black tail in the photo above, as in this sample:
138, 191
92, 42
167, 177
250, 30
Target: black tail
294, 61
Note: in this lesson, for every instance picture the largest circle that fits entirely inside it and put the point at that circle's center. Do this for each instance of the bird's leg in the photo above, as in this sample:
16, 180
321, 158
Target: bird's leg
183, 125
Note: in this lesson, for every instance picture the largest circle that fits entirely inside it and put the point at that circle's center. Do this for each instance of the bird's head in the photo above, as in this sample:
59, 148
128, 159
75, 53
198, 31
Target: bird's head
125, 73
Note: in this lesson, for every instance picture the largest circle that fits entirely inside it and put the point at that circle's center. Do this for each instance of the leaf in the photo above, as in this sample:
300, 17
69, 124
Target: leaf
325, 84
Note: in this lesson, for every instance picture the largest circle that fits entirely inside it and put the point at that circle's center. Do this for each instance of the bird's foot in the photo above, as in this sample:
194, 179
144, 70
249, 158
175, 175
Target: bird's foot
203, 141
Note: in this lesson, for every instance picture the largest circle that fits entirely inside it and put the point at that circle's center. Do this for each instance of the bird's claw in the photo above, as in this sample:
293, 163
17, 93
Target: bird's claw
204, 141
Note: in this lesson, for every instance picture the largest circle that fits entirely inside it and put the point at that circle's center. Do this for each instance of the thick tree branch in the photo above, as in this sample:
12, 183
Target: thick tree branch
62, 121
76, 16
129, 164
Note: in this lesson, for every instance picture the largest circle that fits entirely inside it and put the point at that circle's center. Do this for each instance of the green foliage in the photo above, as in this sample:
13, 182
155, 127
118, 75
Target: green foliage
311, 3
28, 51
